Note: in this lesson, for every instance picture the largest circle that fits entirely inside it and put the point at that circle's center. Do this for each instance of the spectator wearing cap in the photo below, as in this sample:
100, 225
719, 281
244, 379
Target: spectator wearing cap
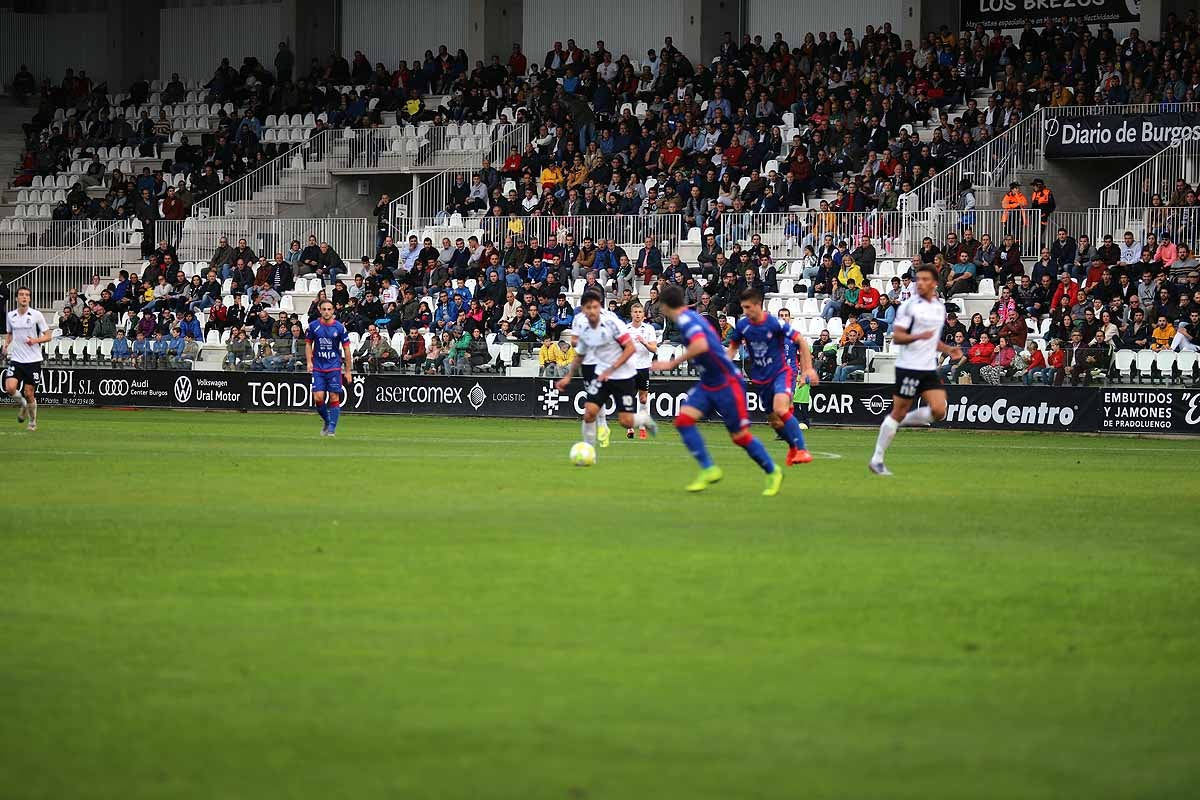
1014, 202
1041, 200
1167, 252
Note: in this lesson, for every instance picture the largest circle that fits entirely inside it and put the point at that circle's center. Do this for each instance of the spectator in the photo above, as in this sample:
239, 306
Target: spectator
413, 353
979, 356
374, 352
1001, 363
122, 353
854, 359
1162, 335
1035, 369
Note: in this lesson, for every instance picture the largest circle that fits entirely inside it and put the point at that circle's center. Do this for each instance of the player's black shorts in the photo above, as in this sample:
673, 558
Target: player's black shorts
621, 390
28, 374
641, 381
587, 372
912, 382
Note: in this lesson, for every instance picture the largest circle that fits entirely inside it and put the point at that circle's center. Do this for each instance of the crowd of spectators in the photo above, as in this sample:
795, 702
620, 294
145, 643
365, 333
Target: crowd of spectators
846, 96
442, 307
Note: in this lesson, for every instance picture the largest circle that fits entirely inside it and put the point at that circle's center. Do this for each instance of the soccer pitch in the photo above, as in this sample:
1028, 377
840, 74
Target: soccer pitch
204, 605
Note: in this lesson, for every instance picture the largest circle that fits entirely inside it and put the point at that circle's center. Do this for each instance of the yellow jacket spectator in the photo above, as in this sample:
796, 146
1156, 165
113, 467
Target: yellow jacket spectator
849, 271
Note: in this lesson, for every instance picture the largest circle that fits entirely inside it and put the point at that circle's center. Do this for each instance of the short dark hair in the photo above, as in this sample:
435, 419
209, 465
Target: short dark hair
751, 295
590, 297
672, 297
927, 268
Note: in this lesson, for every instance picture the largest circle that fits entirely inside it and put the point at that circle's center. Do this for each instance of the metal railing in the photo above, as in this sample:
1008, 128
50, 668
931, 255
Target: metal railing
1155, 175
25, 242
401, 148
895, 234
452, 148
989, 167
387, 149
283, 179
1019, 148
427, 198
623, 229
1181, 222
74, 267
197, 239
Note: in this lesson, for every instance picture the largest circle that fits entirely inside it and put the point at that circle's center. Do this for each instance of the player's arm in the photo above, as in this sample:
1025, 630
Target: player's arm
698, 346
731, 347
650, 344
902, 331
308, 353
951, 350
565, 380
628, 349
804, 359
346, 361
45, 336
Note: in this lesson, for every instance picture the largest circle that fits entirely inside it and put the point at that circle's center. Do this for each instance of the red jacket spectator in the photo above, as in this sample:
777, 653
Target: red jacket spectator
1070, 288
981, 353
868, 298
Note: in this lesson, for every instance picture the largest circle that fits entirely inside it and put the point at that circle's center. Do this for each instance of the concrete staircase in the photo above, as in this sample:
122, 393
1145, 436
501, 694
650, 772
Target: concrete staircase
12, 143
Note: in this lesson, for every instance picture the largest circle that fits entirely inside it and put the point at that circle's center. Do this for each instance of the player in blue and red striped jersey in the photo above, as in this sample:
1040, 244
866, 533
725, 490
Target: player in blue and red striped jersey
720, 390
772, 374
328, 356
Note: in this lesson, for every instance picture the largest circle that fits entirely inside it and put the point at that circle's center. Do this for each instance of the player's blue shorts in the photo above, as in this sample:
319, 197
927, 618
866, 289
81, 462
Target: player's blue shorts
783, 383
327, 382
729, 401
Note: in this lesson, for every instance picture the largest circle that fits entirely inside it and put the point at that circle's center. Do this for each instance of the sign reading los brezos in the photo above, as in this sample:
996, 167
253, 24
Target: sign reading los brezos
1014, 13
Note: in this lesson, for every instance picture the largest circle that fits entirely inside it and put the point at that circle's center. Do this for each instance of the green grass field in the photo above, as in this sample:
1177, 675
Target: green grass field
191, 607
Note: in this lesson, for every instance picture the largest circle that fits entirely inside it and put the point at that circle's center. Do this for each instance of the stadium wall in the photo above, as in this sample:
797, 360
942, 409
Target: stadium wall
1156, 410
388, 31
50, 43
194, 38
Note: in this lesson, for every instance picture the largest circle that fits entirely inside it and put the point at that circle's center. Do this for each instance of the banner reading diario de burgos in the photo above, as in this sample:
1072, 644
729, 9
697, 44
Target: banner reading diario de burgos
1014, 13
1118, 134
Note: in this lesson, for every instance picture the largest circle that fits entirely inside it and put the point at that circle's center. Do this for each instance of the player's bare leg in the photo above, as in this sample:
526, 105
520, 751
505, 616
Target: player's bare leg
904, 416
11, 387
644, 408
591, 414
30, 404
602, 432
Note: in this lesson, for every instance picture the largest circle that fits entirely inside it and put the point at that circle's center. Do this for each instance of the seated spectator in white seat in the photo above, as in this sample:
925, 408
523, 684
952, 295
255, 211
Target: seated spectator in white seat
122, 353
1184, 339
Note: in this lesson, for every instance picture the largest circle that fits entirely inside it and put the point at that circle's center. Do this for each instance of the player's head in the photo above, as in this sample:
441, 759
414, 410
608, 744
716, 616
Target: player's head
927, 278
591, 305
671, 301
637, 313
326, 309
785, 315
752, 303
24, 296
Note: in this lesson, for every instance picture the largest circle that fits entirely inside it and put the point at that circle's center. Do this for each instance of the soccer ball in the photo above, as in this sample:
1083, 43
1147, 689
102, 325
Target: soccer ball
583, 454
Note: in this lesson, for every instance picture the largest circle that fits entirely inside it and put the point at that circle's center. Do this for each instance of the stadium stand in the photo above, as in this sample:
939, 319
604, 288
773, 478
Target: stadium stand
774, 166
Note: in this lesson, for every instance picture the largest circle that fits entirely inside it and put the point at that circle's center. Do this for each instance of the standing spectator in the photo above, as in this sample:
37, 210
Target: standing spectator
1042, 201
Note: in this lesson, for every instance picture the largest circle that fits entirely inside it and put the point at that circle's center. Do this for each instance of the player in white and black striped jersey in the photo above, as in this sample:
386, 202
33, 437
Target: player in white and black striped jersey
27, 332
918, 330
